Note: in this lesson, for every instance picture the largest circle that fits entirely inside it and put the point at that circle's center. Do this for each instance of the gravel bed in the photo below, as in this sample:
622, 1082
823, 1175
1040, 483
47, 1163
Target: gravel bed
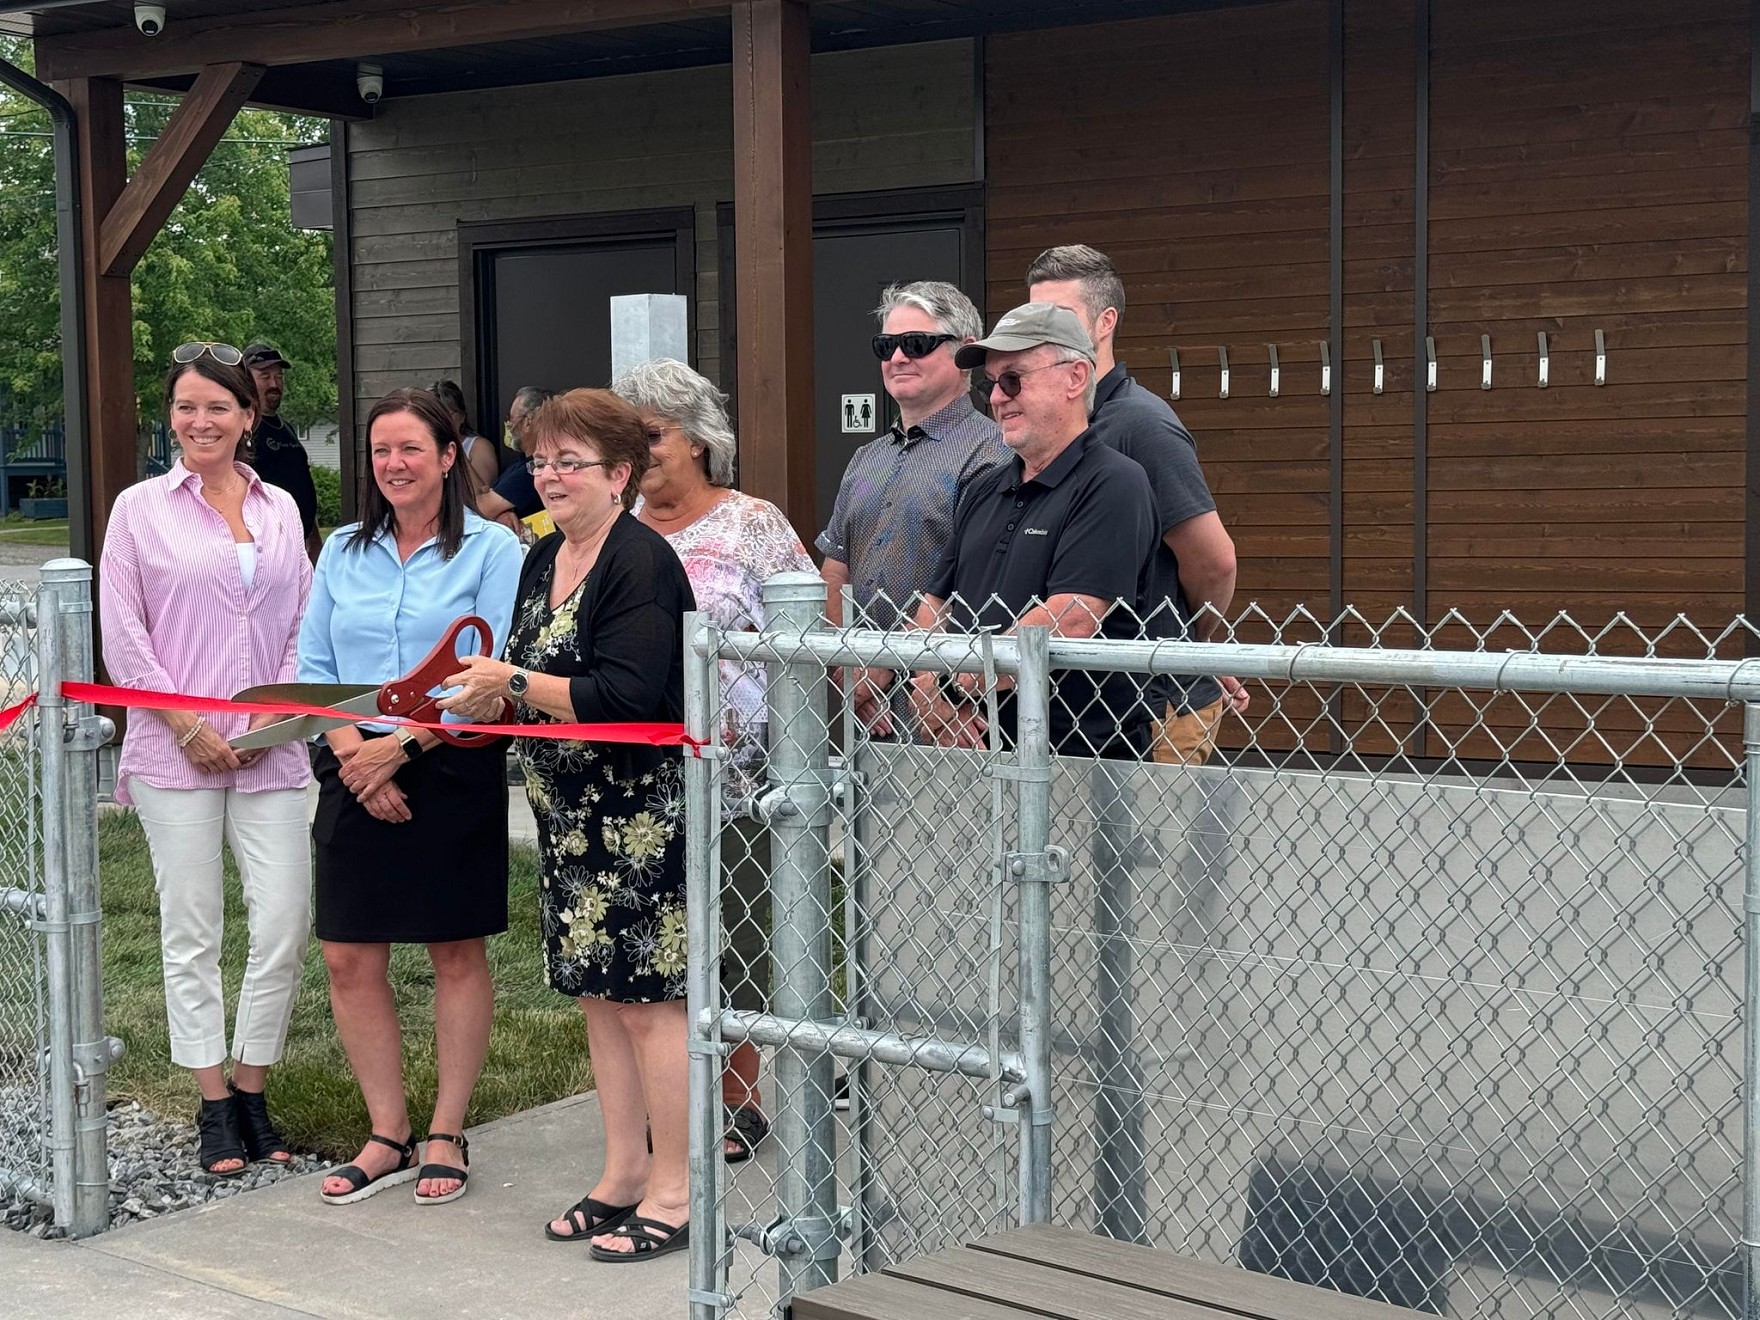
153, 1172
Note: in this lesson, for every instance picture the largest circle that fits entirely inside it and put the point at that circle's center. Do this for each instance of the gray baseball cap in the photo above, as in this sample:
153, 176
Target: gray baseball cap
1029, 326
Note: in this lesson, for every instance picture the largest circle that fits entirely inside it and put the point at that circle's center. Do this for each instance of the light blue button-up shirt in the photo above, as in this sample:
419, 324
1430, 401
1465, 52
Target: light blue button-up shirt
373, 617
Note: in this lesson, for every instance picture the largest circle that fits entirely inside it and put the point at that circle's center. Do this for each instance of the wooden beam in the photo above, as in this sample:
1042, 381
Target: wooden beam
111, 422
200, 120
323, 92
341, 30
773, 226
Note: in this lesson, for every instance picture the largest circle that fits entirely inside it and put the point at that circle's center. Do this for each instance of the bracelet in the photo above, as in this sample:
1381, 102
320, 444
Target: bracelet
194, 729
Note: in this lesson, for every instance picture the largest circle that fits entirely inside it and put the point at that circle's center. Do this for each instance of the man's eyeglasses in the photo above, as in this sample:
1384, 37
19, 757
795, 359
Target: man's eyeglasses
915, 343
565, 467
1009, 382
225, 354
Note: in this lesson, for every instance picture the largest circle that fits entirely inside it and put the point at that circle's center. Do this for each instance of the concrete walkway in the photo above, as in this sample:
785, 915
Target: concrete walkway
281, 1252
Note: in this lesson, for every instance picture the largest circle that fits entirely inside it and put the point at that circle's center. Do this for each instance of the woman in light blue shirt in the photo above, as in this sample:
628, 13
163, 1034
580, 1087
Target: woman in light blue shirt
411, 833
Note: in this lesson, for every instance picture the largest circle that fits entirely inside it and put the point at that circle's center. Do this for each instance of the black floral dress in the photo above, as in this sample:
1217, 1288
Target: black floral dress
611, 848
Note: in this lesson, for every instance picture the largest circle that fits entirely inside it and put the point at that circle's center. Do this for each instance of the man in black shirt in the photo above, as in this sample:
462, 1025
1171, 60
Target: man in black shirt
1058, 535
1193, 574
280, 457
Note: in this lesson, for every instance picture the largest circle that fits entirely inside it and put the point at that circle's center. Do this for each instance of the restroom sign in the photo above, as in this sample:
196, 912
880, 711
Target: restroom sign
859, 413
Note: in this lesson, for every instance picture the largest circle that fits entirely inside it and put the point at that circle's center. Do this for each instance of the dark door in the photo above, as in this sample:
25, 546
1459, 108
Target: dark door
861, 244
538, 297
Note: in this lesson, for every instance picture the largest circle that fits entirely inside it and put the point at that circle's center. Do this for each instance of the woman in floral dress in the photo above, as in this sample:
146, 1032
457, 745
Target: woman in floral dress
598, 636
730, 544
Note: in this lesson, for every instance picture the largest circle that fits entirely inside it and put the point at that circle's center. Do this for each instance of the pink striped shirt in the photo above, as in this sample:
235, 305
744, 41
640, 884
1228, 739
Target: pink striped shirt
177, 617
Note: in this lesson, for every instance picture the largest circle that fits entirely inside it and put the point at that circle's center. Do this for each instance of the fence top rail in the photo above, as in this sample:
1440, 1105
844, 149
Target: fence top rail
1314, 662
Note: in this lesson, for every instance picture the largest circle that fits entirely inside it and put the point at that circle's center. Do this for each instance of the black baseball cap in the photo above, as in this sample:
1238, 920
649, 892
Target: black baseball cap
260, 354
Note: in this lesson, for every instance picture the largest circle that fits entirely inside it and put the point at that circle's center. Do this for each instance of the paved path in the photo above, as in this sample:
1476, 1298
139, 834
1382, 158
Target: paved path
281, 1252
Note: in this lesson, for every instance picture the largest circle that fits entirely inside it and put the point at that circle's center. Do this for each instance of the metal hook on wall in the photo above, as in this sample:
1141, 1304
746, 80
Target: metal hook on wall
1600, 358
1222, 355
1173, 356
1325, 367
1272, 349
1545, 362
1484, 362
1380, 367
1429, 363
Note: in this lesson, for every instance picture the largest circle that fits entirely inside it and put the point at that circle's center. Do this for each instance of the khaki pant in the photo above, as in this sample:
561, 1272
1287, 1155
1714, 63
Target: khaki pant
1187, 739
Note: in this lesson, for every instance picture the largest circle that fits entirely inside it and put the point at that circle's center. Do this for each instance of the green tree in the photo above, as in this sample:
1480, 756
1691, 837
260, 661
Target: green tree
228, 265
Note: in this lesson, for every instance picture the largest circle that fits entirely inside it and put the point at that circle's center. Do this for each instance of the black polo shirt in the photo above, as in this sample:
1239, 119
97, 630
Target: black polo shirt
1141, 426
1086, 525
281, 461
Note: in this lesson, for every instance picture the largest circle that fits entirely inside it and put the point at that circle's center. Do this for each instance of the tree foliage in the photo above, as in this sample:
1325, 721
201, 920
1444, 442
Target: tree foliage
228, 265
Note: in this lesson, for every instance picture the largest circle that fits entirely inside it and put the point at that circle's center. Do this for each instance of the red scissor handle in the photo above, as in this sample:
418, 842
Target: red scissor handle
408, 696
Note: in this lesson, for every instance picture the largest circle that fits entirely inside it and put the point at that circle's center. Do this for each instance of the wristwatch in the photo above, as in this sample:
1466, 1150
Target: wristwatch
517, 684
412, 745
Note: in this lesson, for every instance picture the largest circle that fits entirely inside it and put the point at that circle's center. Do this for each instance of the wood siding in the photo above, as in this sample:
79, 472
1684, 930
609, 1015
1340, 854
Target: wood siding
899, 117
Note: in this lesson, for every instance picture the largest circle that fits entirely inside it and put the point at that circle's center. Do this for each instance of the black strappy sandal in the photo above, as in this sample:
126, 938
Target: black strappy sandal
360, 1186
588, 1218
445, 1170
648, 1238
746, 1127
262, 1140
217, 1121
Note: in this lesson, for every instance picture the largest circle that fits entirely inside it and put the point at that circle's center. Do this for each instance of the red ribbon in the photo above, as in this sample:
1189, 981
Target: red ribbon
100, 694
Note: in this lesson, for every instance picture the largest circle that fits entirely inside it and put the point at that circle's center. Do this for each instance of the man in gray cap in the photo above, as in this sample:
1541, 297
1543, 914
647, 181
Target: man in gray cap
280, 457
1058, 535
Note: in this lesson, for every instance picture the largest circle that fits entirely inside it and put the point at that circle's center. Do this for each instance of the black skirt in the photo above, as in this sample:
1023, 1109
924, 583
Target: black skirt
439, 876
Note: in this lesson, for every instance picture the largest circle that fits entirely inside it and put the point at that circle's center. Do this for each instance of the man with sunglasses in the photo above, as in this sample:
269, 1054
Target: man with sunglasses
281, 459
893, 516
1193, 575
1060, 535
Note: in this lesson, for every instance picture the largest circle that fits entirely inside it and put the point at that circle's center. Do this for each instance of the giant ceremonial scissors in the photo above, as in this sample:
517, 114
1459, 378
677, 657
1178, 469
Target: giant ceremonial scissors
407, 697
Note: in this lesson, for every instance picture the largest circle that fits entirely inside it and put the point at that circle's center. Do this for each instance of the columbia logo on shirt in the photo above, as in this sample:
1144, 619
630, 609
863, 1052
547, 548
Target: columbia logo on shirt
1035, 531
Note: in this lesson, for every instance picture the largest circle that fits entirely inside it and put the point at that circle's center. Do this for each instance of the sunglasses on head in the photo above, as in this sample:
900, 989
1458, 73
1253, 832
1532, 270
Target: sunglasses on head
915, 343
225, 354
1009, 382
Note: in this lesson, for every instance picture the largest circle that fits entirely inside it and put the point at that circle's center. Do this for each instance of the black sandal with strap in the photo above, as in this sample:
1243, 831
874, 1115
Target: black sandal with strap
446, 1171
648, 1238
746, 1127
361, 1186
587, 1218
217, 1121
262, 1140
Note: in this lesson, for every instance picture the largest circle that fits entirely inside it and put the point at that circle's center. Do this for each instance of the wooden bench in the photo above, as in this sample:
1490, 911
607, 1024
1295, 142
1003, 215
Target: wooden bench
1040, 1271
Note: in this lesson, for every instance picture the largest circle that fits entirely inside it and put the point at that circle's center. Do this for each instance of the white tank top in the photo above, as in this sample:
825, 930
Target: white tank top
247, 562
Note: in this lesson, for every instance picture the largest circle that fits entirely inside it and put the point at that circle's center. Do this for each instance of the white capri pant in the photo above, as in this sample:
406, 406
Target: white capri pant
272, 844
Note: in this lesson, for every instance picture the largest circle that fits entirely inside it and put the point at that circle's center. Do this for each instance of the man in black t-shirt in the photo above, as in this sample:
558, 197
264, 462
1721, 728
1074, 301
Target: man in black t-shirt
1193, 574
1060, 534
280, 457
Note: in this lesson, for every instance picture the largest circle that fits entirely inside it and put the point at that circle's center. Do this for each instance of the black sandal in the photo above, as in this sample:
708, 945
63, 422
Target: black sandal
217, 1121
361, 1186
588, 1218
445, 1170
262, 1140
746, 1127
647, 1237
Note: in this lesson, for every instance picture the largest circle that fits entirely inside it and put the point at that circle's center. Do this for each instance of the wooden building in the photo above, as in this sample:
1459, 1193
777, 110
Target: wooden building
1388, 195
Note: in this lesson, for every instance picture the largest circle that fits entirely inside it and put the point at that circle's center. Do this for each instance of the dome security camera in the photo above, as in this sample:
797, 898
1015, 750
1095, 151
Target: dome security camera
369, 81
150, 19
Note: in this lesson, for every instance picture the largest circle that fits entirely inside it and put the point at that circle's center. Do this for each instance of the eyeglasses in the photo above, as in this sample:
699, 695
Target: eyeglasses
565, 467
915, 343
1009, 382
225, 354
657, 431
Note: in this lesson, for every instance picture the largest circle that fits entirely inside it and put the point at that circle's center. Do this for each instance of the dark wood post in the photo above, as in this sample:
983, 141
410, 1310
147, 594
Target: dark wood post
112, 426
773, 226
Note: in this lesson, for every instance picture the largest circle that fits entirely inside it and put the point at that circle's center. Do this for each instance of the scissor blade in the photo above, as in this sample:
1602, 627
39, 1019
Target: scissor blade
366, 702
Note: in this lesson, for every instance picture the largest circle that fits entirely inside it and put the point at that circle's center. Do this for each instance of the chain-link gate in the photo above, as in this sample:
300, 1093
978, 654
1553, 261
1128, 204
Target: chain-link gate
53, 1054
1428, 987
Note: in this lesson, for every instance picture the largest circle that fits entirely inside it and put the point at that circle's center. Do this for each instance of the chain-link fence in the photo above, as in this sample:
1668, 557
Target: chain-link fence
1421, 978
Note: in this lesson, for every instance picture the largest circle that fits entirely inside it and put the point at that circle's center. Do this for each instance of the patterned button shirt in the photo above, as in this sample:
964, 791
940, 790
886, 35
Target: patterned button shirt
893, 518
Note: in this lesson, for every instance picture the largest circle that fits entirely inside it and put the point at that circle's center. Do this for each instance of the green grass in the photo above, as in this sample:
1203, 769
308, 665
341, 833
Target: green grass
537, 1050
16, 530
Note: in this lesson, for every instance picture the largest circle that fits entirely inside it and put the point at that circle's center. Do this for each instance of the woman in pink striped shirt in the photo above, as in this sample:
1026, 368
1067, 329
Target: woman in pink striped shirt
203, 580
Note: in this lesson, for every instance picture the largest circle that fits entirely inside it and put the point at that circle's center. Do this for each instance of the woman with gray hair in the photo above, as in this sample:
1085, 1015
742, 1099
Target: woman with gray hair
729, 544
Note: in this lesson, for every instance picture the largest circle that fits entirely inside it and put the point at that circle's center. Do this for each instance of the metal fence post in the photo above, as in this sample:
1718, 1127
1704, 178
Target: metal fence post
1751, 1018
57, 932
83, 731
1036, 867
798, 809
702, 922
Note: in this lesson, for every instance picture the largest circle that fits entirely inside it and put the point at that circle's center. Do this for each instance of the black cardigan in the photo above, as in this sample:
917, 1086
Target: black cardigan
630, 626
